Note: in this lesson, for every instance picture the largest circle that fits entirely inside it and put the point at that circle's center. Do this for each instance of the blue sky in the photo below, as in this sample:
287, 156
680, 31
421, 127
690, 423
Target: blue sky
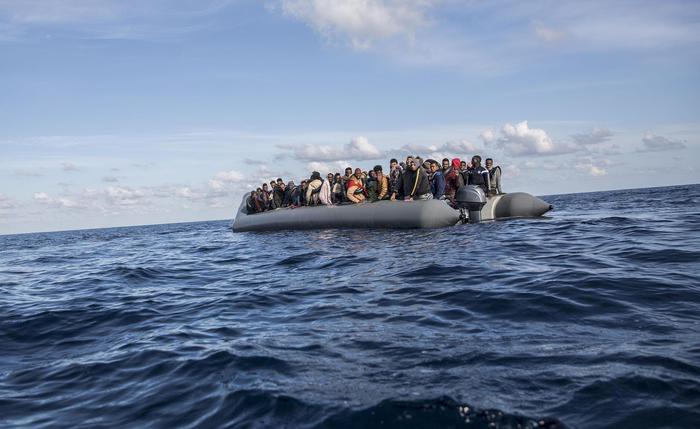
131, 112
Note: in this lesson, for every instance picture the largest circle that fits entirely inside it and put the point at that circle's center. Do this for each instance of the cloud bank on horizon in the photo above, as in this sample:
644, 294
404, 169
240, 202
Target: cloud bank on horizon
125, 112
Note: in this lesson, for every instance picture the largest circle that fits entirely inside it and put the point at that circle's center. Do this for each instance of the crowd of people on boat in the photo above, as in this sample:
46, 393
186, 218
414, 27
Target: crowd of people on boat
413, 179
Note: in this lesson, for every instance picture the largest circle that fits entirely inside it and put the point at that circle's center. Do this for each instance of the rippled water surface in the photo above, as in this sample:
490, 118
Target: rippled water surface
588, 318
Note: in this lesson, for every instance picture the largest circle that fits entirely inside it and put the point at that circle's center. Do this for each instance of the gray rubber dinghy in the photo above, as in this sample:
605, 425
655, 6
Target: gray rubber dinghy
389, 214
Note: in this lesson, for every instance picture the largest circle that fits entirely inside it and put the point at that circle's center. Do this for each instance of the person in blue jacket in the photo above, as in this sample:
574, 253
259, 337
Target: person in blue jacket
437, 181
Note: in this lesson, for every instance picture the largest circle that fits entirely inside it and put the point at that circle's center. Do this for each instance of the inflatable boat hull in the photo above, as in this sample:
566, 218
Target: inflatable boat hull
385, 214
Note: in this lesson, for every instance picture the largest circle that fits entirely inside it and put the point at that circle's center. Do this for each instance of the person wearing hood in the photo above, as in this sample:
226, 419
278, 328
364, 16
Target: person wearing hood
494, 177
278, 195
250, 206
414, 184
453, 179
324, 194
355, 188
313, 188
260, 200
371, 186
289, 194
265, 196
426, 165
437, 181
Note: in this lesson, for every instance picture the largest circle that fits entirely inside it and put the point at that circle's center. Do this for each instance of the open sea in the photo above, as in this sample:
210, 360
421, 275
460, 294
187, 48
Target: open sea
588, 318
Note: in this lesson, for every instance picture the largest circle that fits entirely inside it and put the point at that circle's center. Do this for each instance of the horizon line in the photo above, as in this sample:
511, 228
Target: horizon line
231, 219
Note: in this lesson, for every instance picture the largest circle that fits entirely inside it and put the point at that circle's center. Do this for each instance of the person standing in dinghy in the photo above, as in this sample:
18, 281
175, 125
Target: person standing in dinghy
414, 183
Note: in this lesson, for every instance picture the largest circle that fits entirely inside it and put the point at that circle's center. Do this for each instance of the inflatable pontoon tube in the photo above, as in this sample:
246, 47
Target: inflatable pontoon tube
385, 214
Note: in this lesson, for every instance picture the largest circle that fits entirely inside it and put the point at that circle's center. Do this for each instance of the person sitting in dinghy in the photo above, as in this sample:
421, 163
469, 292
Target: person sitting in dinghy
382, 183
250, 206
453, 180
265, 197
437, 181
289, 193
324, 194
394, 176
355, 188
313, 188
278, 195
338, 193
260, 201
371, 186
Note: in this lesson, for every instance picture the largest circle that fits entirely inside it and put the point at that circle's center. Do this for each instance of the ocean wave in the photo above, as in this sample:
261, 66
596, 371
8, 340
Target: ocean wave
589, 317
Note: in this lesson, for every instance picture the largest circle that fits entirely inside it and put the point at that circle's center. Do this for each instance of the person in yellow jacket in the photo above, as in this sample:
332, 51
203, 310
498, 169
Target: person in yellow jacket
382, 184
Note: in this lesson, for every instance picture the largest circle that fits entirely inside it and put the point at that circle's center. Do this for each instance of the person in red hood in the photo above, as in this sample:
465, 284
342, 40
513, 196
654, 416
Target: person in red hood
453, 180
356, 191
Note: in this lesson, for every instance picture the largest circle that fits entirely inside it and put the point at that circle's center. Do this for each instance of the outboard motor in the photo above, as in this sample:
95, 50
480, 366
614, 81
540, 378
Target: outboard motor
473, 199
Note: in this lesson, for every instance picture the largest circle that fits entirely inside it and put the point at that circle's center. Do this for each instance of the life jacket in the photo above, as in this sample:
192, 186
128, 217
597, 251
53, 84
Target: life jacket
354, 181
414, 184
476, 176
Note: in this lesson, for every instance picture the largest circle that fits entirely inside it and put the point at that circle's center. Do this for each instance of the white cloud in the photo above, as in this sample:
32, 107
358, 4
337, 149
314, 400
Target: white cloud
69, 166
539, 165
59, 202
446, 150
224, 180
42, 197
461, 147
523, 139
444, 33
329, 167
230, 176
595, 136
228, 183
6, 203
487, 136
188, 193
591, 166
590, 169
124, 195
655, 143
358, 149
116, 19
520, 140
361, 22
511, 169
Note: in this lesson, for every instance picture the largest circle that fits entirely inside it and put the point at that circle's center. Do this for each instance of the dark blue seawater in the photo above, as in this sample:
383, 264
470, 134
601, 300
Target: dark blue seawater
589, 318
